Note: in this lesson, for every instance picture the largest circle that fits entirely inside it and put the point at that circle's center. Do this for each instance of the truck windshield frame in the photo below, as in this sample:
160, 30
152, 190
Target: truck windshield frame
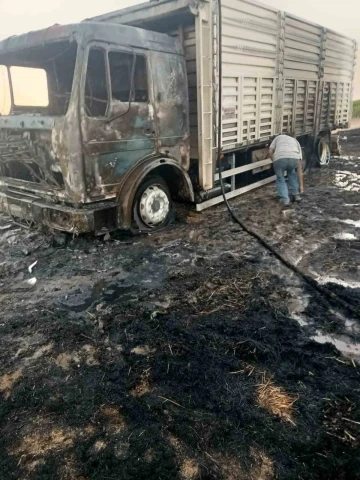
41, 79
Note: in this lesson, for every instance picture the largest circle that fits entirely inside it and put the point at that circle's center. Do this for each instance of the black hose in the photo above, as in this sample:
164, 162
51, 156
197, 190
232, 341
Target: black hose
330, 296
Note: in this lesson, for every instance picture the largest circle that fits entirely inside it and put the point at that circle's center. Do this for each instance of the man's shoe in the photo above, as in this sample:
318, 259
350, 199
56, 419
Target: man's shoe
297, 198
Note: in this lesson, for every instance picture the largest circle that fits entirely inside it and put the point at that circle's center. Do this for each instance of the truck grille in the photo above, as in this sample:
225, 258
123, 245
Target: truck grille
27, 156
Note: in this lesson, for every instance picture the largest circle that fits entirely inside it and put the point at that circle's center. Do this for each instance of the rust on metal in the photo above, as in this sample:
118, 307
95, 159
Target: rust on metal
78, 170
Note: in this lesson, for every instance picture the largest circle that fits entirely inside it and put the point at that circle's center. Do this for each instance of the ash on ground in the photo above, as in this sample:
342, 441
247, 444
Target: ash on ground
191, 353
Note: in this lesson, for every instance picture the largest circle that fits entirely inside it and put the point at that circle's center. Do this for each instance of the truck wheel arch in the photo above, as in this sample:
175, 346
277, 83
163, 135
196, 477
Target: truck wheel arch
177, 179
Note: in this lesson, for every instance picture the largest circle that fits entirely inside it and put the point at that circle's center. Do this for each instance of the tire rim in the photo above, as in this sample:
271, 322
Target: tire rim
324, 153
154, 206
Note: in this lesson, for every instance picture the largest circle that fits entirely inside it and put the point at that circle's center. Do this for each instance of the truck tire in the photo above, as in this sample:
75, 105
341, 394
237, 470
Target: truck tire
153, 207
307, 160
310, 159
323, 152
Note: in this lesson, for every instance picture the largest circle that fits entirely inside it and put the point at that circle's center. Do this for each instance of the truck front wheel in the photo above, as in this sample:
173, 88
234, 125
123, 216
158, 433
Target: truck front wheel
153, 206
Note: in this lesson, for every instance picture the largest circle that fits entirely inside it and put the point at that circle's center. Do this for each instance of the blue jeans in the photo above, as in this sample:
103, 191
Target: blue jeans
288, 165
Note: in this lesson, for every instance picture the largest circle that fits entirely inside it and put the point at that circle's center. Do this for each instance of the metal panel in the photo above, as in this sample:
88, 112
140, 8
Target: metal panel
215, 201
302, 48
299, 106
250, 41
205, 69
339, 58
189, 35
248, 110
245, 168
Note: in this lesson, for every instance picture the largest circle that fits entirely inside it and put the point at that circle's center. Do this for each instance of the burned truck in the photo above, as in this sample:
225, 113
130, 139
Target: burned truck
107, 123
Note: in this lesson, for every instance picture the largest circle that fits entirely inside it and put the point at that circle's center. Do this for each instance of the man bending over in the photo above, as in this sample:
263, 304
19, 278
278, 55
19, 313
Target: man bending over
286, 154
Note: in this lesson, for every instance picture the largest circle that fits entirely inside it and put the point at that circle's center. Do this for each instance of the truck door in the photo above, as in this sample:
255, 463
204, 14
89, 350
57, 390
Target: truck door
118, 123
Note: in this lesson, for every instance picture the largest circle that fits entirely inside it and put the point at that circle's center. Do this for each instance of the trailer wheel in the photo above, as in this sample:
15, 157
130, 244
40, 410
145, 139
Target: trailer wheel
153, 207
323, 152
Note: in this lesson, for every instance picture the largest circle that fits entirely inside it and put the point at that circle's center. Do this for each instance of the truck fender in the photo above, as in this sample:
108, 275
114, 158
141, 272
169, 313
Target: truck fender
181, 186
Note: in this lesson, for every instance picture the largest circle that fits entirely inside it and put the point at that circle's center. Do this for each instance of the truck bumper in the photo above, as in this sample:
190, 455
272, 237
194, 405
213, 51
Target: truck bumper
98, 217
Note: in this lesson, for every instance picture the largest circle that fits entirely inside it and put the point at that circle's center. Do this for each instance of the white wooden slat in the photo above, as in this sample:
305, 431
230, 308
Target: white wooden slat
244, 168
215, 201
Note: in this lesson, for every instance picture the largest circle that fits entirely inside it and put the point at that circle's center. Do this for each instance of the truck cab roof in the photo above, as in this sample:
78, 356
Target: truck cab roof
86, 32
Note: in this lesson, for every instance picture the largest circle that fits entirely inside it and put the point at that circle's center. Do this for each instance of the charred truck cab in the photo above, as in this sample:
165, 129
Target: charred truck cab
109, 121
96, 132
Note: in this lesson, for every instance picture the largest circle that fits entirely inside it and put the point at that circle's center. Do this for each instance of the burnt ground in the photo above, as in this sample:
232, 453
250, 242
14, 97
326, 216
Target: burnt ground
191, 353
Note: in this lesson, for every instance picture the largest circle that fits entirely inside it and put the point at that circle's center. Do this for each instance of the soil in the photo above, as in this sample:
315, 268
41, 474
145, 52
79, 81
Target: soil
191, 353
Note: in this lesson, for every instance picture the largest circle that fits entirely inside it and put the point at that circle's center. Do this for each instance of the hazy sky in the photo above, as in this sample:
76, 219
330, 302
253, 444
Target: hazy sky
19, 16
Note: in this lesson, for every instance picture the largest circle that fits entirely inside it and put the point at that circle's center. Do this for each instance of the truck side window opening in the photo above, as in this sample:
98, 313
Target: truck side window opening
96, 90
121, 69
41, 79
30, 86
61, 71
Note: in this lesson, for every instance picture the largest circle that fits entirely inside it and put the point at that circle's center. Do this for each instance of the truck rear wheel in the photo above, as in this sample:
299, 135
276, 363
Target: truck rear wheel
323, 152
153, 206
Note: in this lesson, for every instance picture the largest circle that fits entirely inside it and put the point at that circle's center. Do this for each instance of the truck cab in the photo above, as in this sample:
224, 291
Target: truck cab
94, 130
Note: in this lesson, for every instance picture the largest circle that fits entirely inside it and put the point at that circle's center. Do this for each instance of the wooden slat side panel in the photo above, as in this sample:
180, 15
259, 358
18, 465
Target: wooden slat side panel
299, 106
248, 110
339, 59
302, 49
250, 38
335, 108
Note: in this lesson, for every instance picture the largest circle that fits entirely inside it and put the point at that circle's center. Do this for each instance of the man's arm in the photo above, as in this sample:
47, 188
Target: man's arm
300, 169
300, 150
272, 149
301, 176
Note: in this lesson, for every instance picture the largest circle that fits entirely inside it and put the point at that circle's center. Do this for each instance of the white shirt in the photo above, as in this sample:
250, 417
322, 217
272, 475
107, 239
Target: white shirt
286, 147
